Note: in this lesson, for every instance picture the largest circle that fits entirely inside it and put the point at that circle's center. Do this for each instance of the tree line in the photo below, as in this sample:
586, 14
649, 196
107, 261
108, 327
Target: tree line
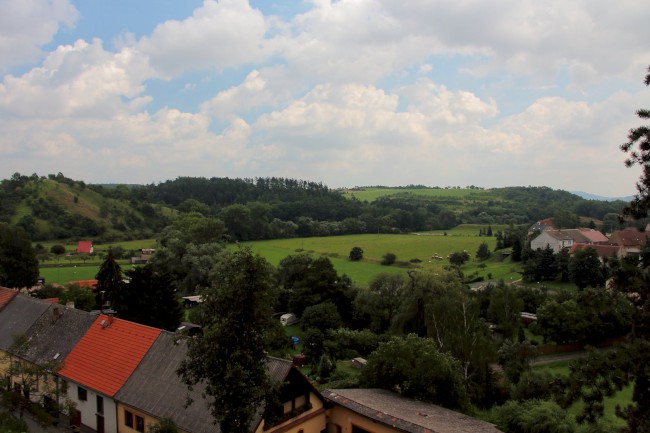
267, 208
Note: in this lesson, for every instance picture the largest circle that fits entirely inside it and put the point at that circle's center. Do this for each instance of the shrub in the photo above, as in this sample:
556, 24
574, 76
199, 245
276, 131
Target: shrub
388, 259
356, 254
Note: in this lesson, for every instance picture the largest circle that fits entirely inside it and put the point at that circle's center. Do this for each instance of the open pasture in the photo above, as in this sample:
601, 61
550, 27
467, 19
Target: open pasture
64, 274
372, 194
420, 246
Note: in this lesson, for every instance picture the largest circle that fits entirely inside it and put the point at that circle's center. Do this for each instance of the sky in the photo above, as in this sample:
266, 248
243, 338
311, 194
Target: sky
489, 93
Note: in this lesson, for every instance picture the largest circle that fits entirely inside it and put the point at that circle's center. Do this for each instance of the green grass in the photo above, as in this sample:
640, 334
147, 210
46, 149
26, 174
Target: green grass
65, 274
419, 246
372, 194
405, 246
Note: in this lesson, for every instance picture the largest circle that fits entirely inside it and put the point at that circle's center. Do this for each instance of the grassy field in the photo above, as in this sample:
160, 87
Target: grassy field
372, 194
421, 246
65, 274
621, 398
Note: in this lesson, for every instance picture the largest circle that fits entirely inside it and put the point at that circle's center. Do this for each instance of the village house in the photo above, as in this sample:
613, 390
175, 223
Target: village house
559, 239
603, 250
85, 247
631, 239
99, 365
553, 239
382, 411
541, 226
116, 376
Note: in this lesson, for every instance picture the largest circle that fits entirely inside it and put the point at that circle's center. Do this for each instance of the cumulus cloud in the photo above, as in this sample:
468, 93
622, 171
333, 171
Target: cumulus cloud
27, 25
347, 92
219, 35
81, 79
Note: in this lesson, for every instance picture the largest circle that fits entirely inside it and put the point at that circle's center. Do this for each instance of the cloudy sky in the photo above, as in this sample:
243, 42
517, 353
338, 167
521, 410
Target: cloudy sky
349, 92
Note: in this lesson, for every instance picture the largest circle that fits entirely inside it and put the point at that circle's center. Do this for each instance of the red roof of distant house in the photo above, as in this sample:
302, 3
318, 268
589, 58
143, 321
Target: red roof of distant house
602, 249
52, 300
84, 283
594, 236
108, 353
6, 295
85, 247
629, 237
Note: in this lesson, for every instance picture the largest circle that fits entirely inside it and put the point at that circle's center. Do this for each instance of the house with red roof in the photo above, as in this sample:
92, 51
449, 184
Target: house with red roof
85, 247
631, 239
603, 250
99, 365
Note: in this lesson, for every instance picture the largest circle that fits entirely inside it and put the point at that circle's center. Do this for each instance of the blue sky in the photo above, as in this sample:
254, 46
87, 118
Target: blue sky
348, 92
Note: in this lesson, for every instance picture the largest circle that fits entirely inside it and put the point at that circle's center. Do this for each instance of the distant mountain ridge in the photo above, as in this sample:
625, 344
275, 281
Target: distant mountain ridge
589, 196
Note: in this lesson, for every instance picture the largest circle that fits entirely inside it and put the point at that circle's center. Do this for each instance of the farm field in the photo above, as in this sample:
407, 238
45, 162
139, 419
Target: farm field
421, 246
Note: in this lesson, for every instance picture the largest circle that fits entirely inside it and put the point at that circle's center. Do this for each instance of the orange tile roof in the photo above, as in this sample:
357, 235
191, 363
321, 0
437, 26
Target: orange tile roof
6, 295
84, 283
108, 353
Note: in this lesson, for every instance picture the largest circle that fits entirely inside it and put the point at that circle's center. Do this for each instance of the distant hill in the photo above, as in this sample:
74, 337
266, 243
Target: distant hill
55, 207
588, 196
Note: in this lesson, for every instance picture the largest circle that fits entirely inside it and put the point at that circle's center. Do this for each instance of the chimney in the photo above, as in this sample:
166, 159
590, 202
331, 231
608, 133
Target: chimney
56, 314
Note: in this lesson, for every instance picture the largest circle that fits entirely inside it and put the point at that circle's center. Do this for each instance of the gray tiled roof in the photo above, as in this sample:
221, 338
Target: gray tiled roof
155, 388
57, 331
405, 414
18, 316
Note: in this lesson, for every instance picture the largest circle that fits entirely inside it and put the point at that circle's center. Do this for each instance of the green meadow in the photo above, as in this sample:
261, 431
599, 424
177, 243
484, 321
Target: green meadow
413, 250
407, 247
372, 194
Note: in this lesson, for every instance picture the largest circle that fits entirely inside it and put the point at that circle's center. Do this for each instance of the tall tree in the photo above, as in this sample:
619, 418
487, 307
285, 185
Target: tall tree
149, 299
109, 282
585, 269
229, 358
439, 307
380, 302
18, 263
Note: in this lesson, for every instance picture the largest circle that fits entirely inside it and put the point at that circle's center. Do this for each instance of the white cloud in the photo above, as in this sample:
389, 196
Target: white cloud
219, 35
330, 95
27, 25
76, 80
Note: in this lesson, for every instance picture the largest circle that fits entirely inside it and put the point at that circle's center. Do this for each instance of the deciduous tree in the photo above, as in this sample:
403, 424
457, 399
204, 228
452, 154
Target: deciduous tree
229, 358
416, 368
18, 263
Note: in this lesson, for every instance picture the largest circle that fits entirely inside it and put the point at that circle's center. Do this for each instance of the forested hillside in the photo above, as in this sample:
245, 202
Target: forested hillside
56, 207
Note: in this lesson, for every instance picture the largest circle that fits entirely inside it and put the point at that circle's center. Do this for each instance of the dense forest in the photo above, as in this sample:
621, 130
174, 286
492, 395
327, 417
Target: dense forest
56, 207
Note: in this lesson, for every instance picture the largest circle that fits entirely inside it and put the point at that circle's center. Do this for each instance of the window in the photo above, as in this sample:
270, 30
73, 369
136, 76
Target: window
128, 418
100, 405
139, 423
357, 429
82, 394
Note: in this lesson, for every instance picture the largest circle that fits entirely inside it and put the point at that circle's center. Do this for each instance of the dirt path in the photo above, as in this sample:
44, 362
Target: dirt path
561, 357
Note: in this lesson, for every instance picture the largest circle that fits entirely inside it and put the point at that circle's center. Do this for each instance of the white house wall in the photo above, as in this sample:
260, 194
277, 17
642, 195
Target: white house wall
88, 408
